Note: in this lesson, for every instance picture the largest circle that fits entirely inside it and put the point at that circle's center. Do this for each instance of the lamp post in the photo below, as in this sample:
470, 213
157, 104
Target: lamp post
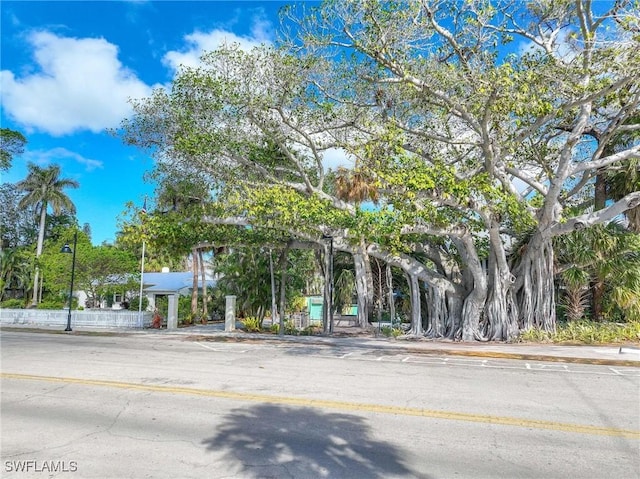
66, 249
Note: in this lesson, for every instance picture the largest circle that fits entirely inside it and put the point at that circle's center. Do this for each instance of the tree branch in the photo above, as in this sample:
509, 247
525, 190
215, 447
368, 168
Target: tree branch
607, 160
597, 217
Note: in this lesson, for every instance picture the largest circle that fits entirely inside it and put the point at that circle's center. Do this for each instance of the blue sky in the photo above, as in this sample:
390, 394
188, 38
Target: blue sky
69, 67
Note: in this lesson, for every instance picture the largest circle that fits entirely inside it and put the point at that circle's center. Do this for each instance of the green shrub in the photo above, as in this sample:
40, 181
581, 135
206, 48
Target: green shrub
186, 319
310, 331
184, 310
586, 332
252, 324
12, 304
289, 328
135, 301
389, 332
162, 305
54, 304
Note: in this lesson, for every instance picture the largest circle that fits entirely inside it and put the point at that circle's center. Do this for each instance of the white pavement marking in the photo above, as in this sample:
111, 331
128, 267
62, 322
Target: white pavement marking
358, 355
221, 350
559, 367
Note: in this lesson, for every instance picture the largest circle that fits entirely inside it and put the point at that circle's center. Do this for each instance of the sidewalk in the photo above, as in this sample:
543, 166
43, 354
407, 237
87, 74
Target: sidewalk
613, 355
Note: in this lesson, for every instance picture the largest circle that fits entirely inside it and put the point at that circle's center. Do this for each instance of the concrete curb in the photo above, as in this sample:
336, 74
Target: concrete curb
412, 349
532, 357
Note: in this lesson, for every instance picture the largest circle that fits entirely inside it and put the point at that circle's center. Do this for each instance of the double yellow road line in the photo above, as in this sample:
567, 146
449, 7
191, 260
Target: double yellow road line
339, 405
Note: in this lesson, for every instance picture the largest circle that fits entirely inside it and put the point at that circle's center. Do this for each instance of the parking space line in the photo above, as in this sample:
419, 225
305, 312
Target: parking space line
478, 362
222, 350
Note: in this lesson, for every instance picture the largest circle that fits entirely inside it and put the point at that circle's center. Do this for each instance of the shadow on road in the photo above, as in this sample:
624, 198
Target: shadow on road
270, 441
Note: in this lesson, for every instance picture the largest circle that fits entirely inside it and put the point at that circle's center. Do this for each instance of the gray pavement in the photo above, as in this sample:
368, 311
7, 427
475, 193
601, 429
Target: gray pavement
615, 355
159, 404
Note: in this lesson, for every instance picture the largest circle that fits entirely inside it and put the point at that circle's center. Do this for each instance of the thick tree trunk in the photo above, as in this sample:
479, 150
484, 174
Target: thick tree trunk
416, 310
535, 288
444, 313
454, 306
380, 299
472, 308
501, 312
437, 312
474, 302
392, 303
370, 288
362, 288
445, 286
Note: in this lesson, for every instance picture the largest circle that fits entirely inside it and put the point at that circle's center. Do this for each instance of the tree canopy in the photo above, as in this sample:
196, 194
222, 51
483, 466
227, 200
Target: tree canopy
467, 129
11, 144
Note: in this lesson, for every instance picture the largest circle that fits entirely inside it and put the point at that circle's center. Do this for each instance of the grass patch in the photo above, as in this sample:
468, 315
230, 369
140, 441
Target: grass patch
586, 332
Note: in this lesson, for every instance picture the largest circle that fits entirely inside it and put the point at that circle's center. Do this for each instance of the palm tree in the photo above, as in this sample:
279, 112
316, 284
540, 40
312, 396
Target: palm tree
245, 274
613, 183
43, 187
574, 258
355, 186
607, 255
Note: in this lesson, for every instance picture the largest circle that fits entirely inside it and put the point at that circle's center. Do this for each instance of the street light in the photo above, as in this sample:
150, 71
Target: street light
66, 249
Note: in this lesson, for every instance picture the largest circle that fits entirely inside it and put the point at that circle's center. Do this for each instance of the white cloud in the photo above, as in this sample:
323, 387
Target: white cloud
80, 85
199, 42
333, 158
55, 155
562, 48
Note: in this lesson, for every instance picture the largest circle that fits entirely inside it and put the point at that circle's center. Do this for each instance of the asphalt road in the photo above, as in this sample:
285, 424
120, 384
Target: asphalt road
152, 406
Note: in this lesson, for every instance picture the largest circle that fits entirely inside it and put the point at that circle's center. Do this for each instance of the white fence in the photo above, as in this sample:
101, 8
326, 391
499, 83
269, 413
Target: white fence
121, 319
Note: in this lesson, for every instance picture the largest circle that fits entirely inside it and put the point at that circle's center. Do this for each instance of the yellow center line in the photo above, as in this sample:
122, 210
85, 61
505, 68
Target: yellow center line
341, 405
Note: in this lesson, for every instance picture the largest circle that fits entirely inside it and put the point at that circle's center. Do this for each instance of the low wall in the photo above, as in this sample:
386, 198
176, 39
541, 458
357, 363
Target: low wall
122, 319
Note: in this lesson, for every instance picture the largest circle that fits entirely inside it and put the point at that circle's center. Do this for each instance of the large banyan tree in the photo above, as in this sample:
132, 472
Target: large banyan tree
469, 131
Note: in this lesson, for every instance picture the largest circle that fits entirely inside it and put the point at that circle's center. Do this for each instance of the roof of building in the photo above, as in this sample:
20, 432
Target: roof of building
170, 283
